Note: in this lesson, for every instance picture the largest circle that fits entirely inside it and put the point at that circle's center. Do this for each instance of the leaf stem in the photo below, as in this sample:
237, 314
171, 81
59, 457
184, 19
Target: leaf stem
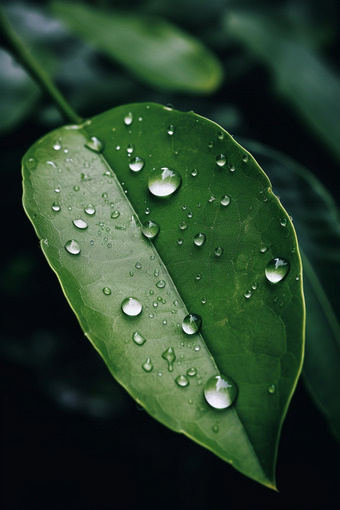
22, 54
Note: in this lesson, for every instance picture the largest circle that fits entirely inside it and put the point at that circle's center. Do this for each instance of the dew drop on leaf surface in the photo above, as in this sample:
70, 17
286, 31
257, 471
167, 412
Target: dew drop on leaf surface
94, 144
182, 381
225, 200
90, 209
147, 366
170, 356
72, 247
199, 239
272, 388
277, 269
81, 224
128, 119
164, 181
191, 372
138, 338
221, 159
191, 323
220, 391
136, 164
56, 206
150, 229
131, 306
107, 291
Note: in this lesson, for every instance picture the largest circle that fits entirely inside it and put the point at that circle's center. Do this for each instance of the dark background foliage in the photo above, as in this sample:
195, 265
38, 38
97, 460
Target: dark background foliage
71, 437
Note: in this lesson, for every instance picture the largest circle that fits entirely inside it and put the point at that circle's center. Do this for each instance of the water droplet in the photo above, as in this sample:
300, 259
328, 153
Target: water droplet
218, 251
277, 269
147, 210
199, 239
225, 200
221, 159
118, 148
263, 249
245, 157
76, 188
131, 306
57, 189
90, 209
254, 286
247, 294
136, 164
138, 338
115, 214
194, 172
138, 265
297, 277
171, 130
215, 429
170, 356
105, 195
232, 168
183, 225
220, 391
198, 276
128, 119
220, 135
72, 247
283, 222
272, 388
212, 198
180, 241
204, 300
182, 381
130, 148
191, 372
94, 144
107, 291
147, 366
150, 229
80, 223
197, 348
161, 284
211, 145
57, 146
56, 206
131, 273
191, 323
164, 181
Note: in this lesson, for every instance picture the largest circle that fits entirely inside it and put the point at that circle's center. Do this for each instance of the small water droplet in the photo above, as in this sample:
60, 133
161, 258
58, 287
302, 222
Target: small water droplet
115, 214
191, 372
180, 241
164, 181
283, 222
90, 209
254, 286
105, 195
131, 306
277, 269
57, 146
183, 225
107, 291
215, 429
212, 198
197, 348
211, 145
156, 272
218, 251
161, 284
147, 210
138, 265
57, 189
76, 188
171, 130
182, 381
147, 366
130, 148
72, 247
56, 206
297, 277
204, 300
194, 172
118, 148
247, 294
272, 388
220, 391
225, 200
138, 338
220, 135
263, 249
191, 323
170, 356
199, 239
221, 159
94, 144
150, 229
80, 223
128, 119
245, 157
198, 276
232, 168
136, 164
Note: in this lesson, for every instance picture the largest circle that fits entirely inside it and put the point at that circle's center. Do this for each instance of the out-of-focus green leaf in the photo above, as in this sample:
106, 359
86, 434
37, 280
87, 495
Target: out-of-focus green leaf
219, 229
152, 48
18, 93
301, 75
316, 219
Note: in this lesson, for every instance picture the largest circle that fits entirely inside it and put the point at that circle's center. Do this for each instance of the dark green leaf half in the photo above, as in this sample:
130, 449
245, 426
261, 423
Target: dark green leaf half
252, 330
155, 50
316, 219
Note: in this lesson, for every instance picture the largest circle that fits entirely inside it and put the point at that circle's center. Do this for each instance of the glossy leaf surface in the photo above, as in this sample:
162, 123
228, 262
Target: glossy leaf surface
316, 219
219, 228
152, 48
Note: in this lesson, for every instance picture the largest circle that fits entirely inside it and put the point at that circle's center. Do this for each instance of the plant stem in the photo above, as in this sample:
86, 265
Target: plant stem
23, 55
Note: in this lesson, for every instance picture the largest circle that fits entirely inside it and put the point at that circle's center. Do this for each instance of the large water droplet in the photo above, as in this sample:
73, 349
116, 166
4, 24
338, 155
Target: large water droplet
277, 269
182, 381
272, 388
147, 366
225, 200
128, 119
131, 306
80, 223
95, 145
221, 159
56, 206
138, 338
107, 291
191, 372
136, 164
191, 323
183, 225
199, 239
171, 130
164, 181
170, 356
72, 247
150, 229
90, 209
220, 391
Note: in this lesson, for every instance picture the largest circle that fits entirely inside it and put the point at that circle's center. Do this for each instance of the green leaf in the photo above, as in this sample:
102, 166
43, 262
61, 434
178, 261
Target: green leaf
316, 219
301, 75
256, 340
155, 50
